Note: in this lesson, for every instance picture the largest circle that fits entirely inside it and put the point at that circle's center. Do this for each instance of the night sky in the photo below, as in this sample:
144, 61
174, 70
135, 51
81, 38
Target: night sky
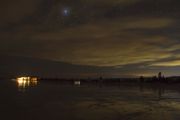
131, 37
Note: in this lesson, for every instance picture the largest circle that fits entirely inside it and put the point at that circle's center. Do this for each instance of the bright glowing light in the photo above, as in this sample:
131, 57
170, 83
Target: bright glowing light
20, 81
24, 82
77, 83
66, 11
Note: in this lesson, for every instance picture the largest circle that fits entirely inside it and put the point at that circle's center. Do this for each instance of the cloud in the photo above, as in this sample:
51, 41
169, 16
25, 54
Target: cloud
115, 2
106, 43
97, 32
15, 11
150, 23
19, 11
173, 63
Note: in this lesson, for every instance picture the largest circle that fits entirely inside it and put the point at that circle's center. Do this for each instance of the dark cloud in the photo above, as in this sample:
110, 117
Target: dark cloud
118, 33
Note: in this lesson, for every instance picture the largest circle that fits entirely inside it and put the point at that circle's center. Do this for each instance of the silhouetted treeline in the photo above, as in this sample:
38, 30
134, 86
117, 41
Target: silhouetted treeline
118, 80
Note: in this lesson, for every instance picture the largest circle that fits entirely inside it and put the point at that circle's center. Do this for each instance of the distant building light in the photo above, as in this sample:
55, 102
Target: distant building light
24, 82
77, 82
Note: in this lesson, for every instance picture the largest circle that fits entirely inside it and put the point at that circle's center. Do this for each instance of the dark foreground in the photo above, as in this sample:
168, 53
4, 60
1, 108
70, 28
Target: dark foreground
47, 100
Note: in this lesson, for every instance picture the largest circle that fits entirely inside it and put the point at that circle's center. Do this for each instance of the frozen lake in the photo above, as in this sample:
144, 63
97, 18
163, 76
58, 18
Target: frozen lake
57, 101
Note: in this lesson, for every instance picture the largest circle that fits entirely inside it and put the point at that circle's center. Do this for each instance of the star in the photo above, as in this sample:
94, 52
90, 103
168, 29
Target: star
66, 11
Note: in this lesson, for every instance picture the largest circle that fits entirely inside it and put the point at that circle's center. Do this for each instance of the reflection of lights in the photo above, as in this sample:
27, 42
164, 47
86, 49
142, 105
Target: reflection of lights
34, 79
24, 82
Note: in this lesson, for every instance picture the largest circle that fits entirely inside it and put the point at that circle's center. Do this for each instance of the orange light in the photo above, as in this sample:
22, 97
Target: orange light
24, 82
